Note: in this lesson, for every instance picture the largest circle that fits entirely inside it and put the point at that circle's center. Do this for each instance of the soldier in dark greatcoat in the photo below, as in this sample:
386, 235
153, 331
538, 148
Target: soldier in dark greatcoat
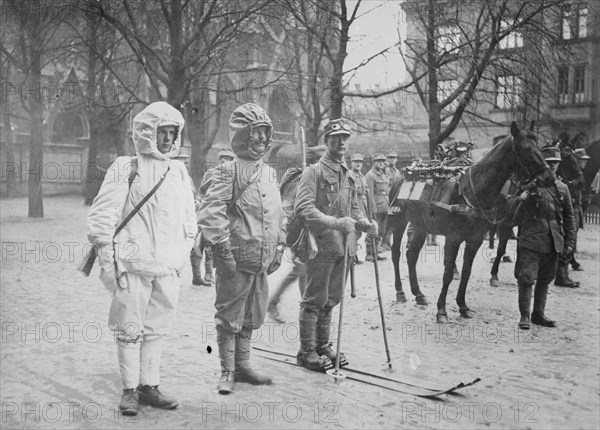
546, 229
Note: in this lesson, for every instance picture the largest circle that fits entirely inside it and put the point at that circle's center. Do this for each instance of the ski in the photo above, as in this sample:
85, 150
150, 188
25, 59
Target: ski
368, 378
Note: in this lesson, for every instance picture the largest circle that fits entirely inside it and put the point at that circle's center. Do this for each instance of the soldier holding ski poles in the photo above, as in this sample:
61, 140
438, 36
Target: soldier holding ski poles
326, 201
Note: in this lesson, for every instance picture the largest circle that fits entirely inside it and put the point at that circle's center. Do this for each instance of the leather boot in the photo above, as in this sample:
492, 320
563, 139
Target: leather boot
243, 371
568, 278
524, 305
208, 267
150, 395
226, 343
539, 306
130, 403
562, 279
323, 333
307, 356
196, 261
369, 256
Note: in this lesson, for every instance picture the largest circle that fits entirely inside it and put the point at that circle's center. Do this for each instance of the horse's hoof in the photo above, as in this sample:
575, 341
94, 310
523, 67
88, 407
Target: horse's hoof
441, 318
494, 282
421, 300
401, 297
466, 313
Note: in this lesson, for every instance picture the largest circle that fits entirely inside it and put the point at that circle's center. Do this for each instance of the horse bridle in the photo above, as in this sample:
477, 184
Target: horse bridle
494, 209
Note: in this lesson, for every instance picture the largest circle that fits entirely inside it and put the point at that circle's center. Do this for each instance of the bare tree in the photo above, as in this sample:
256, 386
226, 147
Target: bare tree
31, 25
461, 48
182, 45
318, 37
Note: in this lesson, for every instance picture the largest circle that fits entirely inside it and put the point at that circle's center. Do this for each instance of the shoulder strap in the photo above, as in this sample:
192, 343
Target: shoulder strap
244, 187
339, 194
134, 168
144, 200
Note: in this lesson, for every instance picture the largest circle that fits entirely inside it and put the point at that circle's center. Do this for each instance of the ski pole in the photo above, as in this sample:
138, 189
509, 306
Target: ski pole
374, 246
336, 372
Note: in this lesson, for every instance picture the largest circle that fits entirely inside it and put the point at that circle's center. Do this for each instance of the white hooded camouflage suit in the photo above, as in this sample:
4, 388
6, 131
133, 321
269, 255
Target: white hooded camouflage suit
151, 249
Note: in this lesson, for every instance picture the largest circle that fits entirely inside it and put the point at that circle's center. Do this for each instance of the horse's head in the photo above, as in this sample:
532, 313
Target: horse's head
528, 156
569, 165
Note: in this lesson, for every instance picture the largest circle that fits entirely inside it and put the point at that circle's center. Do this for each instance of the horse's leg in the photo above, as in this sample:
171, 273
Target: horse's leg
398, 224
503, 236
412, 256
471, 249
450, 252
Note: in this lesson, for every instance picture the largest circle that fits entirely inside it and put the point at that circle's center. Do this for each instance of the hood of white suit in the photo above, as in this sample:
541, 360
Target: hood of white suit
145, 126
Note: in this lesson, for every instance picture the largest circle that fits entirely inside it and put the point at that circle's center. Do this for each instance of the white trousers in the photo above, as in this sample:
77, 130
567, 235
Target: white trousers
141, 314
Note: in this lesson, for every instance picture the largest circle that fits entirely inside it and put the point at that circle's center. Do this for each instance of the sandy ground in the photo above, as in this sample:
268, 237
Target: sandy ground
58, 365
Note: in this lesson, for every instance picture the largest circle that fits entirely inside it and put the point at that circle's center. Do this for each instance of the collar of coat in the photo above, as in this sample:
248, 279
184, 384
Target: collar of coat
333, 164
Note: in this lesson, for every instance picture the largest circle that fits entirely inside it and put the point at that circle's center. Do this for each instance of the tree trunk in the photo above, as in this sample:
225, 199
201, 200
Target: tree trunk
177, 76
197, 134
11, 166
36, 118
434, 105
91, 187
337, 95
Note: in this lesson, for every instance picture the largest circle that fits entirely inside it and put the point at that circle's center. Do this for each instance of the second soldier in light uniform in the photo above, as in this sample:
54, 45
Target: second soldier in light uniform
241, 215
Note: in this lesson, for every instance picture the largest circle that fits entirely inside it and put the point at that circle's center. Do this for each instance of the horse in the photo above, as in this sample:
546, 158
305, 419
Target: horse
477, 189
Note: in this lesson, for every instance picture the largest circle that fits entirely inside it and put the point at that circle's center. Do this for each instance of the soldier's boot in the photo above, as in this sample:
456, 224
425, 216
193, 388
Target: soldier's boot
130, 402
243, 371
149, 394
566, 272
562, 279
539, 306
129, 368
208, 267
575, 265
307, 357
369, 256
323, 333
196, 261
525, 305
226, 342
380, 250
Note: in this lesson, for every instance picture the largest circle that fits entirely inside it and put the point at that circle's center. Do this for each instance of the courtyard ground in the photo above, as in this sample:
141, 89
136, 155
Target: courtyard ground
58, 358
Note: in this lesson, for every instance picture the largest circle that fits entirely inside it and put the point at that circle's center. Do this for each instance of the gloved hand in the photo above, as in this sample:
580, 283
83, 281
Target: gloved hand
363, 224
277, 261
223, 258
524, 195
345, 225
568, 253
373, 229
106, 262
